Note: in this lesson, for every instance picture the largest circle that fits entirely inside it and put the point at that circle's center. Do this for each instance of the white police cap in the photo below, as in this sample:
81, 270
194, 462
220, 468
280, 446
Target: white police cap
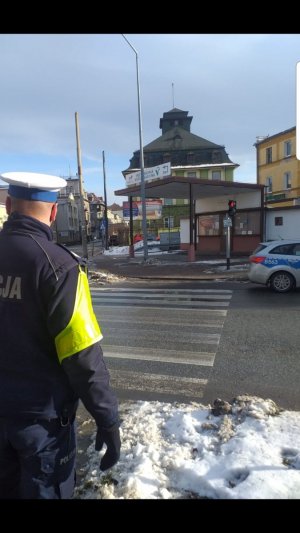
33, 186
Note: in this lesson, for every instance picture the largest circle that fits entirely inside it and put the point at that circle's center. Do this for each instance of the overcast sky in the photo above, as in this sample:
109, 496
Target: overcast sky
236, 87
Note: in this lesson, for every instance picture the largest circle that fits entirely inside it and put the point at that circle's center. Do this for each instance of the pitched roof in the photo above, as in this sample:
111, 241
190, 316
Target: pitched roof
115, 207
267, 138
175, 110
180, 139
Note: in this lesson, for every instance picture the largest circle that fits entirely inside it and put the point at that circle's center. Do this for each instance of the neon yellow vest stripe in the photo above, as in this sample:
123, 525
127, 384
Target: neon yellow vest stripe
83, 329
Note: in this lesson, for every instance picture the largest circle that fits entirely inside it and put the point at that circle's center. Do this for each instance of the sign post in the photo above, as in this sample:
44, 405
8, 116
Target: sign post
227, 223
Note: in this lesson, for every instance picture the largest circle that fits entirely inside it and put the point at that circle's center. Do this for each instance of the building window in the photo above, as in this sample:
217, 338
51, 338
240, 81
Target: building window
168, 201
190, 158
192, 174
287, 180
287, 149
269, 155
168, 222
208, 225
216, 174
247, 223
278, 221
269, 184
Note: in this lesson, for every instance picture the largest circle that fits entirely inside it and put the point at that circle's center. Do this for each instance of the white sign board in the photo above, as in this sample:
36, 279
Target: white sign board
153, 173
227, 222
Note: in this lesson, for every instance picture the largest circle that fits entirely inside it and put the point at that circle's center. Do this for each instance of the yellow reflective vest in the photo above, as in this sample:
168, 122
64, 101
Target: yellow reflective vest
83, 329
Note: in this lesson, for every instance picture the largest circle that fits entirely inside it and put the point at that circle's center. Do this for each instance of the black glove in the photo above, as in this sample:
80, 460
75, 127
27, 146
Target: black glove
111, 437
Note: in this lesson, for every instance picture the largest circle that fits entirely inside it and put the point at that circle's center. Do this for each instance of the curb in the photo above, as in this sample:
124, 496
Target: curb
176, 271
234, 276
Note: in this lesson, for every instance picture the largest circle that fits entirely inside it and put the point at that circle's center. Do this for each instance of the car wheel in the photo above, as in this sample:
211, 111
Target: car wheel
282, 282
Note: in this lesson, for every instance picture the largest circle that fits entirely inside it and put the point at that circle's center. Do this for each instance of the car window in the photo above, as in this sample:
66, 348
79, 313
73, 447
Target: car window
283, 249
296, 250
259, 248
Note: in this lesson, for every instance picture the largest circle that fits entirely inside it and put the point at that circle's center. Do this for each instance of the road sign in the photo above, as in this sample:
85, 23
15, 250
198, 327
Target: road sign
227, 222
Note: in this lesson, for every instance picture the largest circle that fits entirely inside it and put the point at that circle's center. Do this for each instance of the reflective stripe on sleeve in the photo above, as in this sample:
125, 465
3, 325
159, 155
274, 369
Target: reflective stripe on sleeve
83, 329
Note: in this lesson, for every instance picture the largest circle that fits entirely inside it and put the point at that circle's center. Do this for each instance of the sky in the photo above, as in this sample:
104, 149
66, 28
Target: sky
249, 450
236, 87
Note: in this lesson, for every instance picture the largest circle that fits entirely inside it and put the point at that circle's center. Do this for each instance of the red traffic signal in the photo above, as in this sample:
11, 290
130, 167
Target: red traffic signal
231, 207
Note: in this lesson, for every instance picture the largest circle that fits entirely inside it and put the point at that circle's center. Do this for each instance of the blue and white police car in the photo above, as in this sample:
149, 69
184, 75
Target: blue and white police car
276, 264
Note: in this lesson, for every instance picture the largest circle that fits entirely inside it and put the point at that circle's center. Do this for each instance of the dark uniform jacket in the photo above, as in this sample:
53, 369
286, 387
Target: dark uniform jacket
50, 355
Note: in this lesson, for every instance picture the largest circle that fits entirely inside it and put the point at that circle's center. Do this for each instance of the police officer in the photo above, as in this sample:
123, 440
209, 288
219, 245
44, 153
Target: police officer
50, 355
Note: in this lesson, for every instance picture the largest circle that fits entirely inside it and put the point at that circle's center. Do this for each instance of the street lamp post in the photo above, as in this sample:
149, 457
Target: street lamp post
83, 220
144, 216
105, 202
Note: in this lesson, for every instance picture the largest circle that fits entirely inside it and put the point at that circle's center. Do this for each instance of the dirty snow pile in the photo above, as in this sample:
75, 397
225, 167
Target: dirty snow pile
101, 278
248, 448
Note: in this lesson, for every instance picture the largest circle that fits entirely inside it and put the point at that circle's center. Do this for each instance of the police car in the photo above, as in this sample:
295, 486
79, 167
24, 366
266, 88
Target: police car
276, 264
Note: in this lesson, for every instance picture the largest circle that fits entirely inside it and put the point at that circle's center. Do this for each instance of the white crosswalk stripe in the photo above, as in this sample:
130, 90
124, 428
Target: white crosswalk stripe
129, 380
155, 338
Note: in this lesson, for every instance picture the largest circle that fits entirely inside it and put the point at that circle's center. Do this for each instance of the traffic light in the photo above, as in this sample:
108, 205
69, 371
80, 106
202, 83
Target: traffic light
231, 207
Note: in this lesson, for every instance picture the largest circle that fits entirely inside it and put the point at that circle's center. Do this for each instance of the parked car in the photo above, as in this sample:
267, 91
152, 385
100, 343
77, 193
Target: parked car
276, 264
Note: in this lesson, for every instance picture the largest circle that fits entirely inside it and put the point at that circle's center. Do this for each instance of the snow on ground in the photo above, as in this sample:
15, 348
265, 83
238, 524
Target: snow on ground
154, 248
246, 449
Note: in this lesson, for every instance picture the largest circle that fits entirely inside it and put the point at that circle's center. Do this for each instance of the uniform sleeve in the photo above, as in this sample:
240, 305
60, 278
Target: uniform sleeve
89, 377
76, 333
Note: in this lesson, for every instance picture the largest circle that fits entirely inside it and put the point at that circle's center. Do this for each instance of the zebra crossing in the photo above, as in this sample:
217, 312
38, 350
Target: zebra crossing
160, 342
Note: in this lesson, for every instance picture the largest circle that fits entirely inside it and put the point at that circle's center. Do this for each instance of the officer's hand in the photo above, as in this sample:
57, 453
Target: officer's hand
111, 437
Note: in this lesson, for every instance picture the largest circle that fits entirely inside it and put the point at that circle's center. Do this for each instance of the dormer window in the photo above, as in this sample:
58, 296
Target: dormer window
190, 158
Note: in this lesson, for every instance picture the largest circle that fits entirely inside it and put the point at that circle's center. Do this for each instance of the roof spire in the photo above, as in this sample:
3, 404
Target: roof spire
173, 94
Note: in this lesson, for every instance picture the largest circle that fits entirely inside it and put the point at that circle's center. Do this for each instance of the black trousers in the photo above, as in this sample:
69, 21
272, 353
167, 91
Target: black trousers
37, 459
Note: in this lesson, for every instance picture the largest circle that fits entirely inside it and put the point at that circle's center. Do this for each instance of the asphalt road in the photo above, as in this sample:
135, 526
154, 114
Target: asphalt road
235, 338
259, 348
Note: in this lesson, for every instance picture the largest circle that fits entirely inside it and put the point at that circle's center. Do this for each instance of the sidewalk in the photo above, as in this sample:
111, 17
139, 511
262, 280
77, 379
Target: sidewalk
170, 267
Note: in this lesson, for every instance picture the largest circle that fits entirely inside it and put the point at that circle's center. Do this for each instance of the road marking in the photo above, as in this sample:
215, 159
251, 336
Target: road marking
159, 355
193, 303
158, 327
185, 321
178, 336
215, 312
136, 381
167, 291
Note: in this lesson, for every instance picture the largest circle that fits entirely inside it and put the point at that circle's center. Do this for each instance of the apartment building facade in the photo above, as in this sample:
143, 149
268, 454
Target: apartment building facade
278, 169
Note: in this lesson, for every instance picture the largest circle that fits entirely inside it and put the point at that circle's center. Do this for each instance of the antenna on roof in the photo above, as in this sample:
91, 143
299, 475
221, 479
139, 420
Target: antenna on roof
173, 94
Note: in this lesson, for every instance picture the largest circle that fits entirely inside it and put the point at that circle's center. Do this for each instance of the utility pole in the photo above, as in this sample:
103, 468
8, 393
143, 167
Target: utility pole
83, 221
105, 202
143, 194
